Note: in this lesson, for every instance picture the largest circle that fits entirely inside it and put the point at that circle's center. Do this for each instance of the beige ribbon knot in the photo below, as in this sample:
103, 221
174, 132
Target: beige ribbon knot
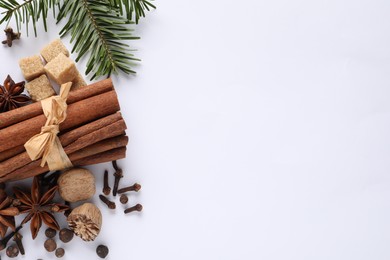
47, 144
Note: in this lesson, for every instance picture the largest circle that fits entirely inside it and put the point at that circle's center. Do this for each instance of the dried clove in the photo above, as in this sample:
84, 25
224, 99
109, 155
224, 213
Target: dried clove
6, 239
68, 211
18, 240
106, 187
118, 175
137, 207
105, 200
11, 36
135, 187
123, 199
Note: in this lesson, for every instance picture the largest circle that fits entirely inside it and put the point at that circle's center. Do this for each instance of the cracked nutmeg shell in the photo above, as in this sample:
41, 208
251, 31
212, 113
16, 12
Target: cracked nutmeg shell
85, 221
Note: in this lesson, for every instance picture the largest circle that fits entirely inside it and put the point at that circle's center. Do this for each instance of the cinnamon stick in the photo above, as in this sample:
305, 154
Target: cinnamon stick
11, 152
73, 141
104, 151
67, 137
35, 109
79, 113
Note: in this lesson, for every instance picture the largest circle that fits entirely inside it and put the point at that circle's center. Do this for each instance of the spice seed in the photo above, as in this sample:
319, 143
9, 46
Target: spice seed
123, 199
66, 235
12, 251
50, 233
60, 252
102, 251
50, 245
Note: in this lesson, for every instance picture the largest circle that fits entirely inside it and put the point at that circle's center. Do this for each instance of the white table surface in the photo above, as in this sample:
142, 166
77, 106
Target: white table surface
259, 130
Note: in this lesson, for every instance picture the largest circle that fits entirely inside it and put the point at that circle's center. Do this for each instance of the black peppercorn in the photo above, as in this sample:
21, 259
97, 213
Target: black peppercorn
50, 233
66, 235
12, 251
60, 252
50, 245
102, 251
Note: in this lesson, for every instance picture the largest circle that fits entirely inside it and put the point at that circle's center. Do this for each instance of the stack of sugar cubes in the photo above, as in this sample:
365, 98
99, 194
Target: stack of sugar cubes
59, 68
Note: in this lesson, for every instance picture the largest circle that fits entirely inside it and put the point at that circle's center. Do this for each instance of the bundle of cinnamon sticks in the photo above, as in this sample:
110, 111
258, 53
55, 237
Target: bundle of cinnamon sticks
93, 132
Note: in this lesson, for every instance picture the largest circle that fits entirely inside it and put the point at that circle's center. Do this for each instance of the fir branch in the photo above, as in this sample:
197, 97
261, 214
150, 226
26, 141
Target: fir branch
97, 28
26, 12
134, 9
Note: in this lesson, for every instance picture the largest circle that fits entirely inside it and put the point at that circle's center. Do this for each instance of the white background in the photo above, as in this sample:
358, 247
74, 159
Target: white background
259, 130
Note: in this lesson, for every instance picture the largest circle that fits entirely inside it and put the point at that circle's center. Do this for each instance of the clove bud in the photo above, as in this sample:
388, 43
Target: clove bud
18, 240
106, 187
137, 207
9, 32
105, 200
118, 175
135, 187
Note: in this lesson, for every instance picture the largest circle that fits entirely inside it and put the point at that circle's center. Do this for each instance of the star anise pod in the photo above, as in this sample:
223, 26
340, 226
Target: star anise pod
39, 207
7, 213
11, 96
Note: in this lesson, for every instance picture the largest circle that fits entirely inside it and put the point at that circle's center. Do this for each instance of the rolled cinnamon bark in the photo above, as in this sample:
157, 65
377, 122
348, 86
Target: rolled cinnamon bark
67, 137
104, 151
72, 141
11, 152
79, 113
35, 109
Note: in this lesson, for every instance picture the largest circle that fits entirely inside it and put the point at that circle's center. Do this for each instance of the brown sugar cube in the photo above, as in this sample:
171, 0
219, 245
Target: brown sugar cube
40, 88
53, 49
31, 67
61, 69
78, 82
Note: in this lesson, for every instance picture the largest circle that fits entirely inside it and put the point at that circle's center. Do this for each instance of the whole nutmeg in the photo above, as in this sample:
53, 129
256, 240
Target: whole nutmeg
85, 221
76, 184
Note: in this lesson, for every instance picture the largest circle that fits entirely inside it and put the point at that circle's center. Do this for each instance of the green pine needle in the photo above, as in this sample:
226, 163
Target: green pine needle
98, 28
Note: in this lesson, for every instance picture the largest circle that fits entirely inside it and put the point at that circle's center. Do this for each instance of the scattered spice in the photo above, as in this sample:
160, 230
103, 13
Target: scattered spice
38, 207
11, 36
69, 210
50, 245
118, 175
7, 213
60, 252
137, 207
85, 221
102, 251
105, 200
11, 96
106, 187
123, 199
50, 233
18, 240
135, 187
66, 235
12, 251
7, 238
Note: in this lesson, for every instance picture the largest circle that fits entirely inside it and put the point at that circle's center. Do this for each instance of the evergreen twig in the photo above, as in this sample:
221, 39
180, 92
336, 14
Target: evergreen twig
98, 28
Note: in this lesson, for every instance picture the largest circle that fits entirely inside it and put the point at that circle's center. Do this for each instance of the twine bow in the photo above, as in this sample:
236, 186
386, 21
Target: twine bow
47, 144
